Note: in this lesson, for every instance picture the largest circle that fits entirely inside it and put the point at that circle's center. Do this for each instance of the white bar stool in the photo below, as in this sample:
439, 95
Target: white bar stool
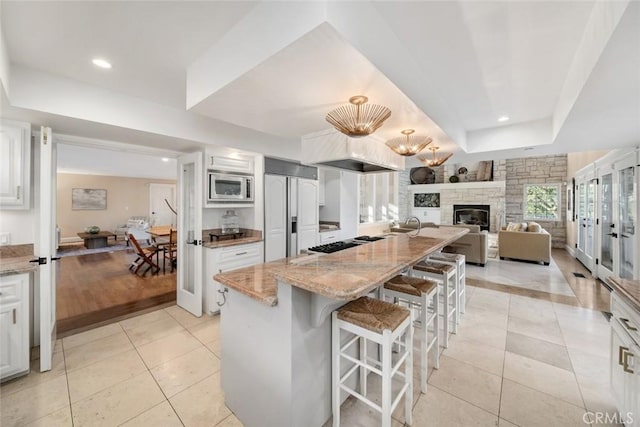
445, 276
418, 293
459, 261
382, 323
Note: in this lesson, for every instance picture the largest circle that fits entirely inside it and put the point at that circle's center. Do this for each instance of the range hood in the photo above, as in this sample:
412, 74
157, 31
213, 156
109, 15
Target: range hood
331, 148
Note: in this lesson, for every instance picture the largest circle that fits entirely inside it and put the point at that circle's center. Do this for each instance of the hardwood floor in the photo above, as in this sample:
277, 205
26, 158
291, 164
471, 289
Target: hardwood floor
99, 287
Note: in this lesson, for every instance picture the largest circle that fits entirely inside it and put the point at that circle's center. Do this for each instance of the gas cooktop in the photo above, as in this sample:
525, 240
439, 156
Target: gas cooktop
333, 247
346, 244
368, 238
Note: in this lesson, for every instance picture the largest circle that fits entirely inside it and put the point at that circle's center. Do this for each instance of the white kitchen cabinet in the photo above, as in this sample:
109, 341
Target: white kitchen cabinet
15, 164
14, 325
625, 359
330, 236
219, 260
321, 187
229, 164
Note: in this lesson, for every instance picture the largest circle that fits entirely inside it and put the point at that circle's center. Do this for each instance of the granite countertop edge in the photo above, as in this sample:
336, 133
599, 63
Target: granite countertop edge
17, 265
629, 289
244, 280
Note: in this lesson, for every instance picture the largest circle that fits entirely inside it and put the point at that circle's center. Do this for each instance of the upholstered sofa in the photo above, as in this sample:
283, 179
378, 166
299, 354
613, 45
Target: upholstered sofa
474, 245
138, 226
525, 245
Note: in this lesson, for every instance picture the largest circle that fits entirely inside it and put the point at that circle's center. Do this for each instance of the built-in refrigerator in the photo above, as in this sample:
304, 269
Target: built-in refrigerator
291, 208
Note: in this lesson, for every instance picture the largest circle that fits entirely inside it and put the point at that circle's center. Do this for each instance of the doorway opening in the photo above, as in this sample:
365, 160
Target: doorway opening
117, 195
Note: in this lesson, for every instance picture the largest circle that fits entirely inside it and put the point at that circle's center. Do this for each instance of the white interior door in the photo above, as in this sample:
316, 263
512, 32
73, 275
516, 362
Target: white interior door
190, 201
275, 217
46, 247
307, 213
159, 212
586, 233
628, 222
606, 223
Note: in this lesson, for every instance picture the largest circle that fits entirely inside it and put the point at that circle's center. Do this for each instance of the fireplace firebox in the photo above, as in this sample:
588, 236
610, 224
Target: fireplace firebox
472, 215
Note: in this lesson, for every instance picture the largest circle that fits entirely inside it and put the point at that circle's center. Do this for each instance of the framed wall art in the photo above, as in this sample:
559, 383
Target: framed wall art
88, 199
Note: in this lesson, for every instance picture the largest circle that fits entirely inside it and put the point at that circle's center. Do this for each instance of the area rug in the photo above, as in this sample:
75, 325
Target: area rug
76, 249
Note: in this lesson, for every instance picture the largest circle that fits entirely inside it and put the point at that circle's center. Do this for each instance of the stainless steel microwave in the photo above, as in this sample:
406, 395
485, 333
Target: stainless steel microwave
225, 187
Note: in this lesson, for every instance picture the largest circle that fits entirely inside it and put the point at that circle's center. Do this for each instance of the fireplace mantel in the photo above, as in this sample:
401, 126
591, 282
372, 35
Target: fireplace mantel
431, 188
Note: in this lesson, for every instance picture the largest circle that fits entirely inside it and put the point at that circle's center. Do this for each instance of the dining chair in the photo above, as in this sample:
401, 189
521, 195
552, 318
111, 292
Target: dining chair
145, 256
171, 250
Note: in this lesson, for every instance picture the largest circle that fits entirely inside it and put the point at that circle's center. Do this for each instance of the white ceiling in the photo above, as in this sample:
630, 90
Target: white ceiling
448, 69
149, 44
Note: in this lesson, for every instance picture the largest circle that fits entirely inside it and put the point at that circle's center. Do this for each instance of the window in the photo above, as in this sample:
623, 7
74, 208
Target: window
378, 197
542, 202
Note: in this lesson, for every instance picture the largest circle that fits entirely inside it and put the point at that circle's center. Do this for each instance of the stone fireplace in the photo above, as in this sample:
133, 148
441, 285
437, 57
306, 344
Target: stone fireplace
473, 215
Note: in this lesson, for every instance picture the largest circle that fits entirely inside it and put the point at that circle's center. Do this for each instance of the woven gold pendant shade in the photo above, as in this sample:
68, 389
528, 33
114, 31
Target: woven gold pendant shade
434, 161
408, 145
359, 118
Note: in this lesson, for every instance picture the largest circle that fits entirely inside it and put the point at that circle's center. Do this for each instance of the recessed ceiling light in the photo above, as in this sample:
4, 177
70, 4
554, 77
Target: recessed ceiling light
528, 148
101, 63
165, 159
503, 118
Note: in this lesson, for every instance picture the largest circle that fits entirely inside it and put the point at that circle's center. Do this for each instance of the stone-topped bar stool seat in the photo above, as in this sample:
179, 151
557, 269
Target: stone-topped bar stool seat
459, 261
418, 294
445, 276
368, 319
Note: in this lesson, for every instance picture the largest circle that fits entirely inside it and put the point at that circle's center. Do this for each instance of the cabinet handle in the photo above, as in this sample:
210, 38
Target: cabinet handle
625, 362
14, 316
621, 353
224, 297
241, 253
626, 324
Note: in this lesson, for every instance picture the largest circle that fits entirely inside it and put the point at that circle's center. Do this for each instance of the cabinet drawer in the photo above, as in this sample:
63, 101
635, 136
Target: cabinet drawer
628, 318
329, 237
10, 290
240, 253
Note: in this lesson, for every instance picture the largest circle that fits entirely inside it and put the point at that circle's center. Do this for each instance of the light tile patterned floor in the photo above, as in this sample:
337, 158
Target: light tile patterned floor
515, 361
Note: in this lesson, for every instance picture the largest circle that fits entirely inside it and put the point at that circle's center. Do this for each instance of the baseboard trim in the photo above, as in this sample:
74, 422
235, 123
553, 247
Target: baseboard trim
571, 251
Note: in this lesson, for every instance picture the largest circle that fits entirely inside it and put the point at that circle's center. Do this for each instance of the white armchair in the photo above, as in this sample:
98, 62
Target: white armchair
138, 226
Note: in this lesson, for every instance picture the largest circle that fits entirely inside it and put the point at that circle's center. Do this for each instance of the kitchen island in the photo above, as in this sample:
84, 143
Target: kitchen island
276, 326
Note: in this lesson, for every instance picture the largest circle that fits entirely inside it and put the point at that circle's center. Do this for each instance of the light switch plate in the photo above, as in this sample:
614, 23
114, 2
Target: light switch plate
5, 238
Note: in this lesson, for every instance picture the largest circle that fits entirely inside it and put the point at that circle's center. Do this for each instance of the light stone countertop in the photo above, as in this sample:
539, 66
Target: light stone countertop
630, 289
14, 259
343, 275
17, 265
250, 236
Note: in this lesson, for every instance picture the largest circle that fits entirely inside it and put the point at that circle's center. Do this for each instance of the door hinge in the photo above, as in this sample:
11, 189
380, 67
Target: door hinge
597, 221
597, 261
576, 245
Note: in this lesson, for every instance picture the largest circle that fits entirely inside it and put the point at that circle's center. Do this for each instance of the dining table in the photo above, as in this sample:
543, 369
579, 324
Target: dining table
159, 236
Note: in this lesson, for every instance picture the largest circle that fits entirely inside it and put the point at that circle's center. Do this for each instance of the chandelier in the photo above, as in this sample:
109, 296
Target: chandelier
408, 145
433, 161
359, 118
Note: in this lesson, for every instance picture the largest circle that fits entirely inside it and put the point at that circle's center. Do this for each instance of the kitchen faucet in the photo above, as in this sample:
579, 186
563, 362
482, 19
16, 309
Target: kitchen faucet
419, 225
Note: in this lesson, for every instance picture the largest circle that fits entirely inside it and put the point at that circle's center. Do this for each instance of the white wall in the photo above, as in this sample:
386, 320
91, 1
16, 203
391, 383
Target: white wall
21, 225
